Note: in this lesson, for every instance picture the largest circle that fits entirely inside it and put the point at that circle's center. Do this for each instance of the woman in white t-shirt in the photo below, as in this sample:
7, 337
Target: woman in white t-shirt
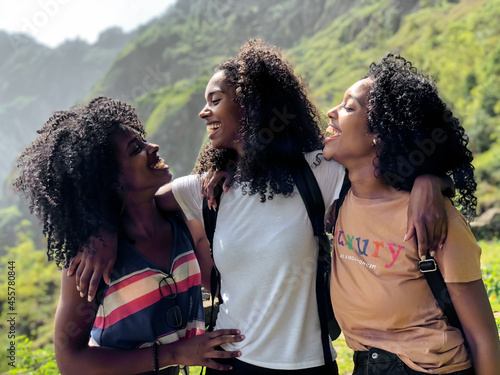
391, 127
260, 125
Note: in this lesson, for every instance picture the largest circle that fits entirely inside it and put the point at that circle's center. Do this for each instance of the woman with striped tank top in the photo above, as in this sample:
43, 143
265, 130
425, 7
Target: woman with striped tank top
91, 167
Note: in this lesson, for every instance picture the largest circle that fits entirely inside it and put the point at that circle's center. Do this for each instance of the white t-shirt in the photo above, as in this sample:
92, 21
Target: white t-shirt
267, 257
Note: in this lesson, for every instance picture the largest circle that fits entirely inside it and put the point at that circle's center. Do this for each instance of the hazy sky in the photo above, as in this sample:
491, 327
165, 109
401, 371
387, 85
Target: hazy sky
52, 21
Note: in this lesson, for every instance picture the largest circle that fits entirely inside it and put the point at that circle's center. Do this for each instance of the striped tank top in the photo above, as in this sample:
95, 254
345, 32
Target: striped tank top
143, 304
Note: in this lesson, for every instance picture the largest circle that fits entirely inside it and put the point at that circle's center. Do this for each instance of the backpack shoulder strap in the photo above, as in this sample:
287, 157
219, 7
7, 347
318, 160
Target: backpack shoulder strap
311, 194
210, 216
343, 192
210, 221
438, 287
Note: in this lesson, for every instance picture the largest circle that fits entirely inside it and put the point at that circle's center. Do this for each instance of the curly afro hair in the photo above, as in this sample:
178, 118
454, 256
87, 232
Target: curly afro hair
278, 123
418, 134
70, 172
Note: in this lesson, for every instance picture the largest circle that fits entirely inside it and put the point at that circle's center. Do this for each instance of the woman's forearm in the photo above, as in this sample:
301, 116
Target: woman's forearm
475, 313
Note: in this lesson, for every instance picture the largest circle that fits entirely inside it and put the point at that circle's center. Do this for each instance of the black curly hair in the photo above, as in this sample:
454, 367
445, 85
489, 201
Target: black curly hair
278, 125
70, 172
418, 133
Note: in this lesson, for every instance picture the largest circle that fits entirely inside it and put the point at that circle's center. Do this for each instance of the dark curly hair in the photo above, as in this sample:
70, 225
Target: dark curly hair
278, 125
418, 133
69, 174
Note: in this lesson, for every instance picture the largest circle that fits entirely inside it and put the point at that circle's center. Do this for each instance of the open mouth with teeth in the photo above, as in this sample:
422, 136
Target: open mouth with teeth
213, 126
159, 164
331, 130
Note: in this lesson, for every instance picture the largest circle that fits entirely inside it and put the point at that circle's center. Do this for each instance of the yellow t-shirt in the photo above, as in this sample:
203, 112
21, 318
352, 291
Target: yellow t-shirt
380, 297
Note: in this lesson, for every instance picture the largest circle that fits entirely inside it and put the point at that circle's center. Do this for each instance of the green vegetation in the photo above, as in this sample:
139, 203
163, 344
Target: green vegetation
457, 43
38, 285
490, 261
36, 81
33, 360
36, 289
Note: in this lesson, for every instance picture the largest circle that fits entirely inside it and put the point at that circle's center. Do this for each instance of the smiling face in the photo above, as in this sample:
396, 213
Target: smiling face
222, 114
351, 142
141, 168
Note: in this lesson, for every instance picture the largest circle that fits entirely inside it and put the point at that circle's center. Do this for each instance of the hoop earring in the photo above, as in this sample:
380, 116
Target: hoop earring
375, 141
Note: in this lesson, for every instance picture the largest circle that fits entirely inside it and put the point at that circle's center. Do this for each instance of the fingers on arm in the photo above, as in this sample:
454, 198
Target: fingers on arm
410, 230
94, 282
436, 238
444, 234
74, 264
210, 183
107, 272
210, 191
430, 229
84, 280
227, 183
438, 225
422, 239
428, 211
96, 262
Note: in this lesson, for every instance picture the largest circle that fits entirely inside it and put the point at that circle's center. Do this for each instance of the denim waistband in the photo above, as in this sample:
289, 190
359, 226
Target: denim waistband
378, 358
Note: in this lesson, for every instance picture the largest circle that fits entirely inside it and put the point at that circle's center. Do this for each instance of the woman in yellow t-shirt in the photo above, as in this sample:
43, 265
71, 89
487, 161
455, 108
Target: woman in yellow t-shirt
391, 127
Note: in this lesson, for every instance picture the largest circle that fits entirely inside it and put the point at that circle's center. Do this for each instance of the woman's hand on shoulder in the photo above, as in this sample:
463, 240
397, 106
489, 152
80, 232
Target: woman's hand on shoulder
96, 261
209, 186
427, 217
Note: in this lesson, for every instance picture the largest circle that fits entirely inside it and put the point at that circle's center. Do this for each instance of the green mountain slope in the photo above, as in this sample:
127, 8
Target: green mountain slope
198, 33
457, 42
331, 42
163, 69
36, 80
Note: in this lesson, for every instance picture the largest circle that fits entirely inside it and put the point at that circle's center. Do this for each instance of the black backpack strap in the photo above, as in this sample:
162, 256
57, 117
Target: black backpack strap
438, 287
209, 221
343, 192
311, 195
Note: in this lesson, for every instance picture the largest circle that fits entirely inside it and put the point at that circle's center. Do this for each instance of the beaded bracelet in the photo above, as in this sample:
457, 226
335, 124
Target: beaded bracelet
155, 357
